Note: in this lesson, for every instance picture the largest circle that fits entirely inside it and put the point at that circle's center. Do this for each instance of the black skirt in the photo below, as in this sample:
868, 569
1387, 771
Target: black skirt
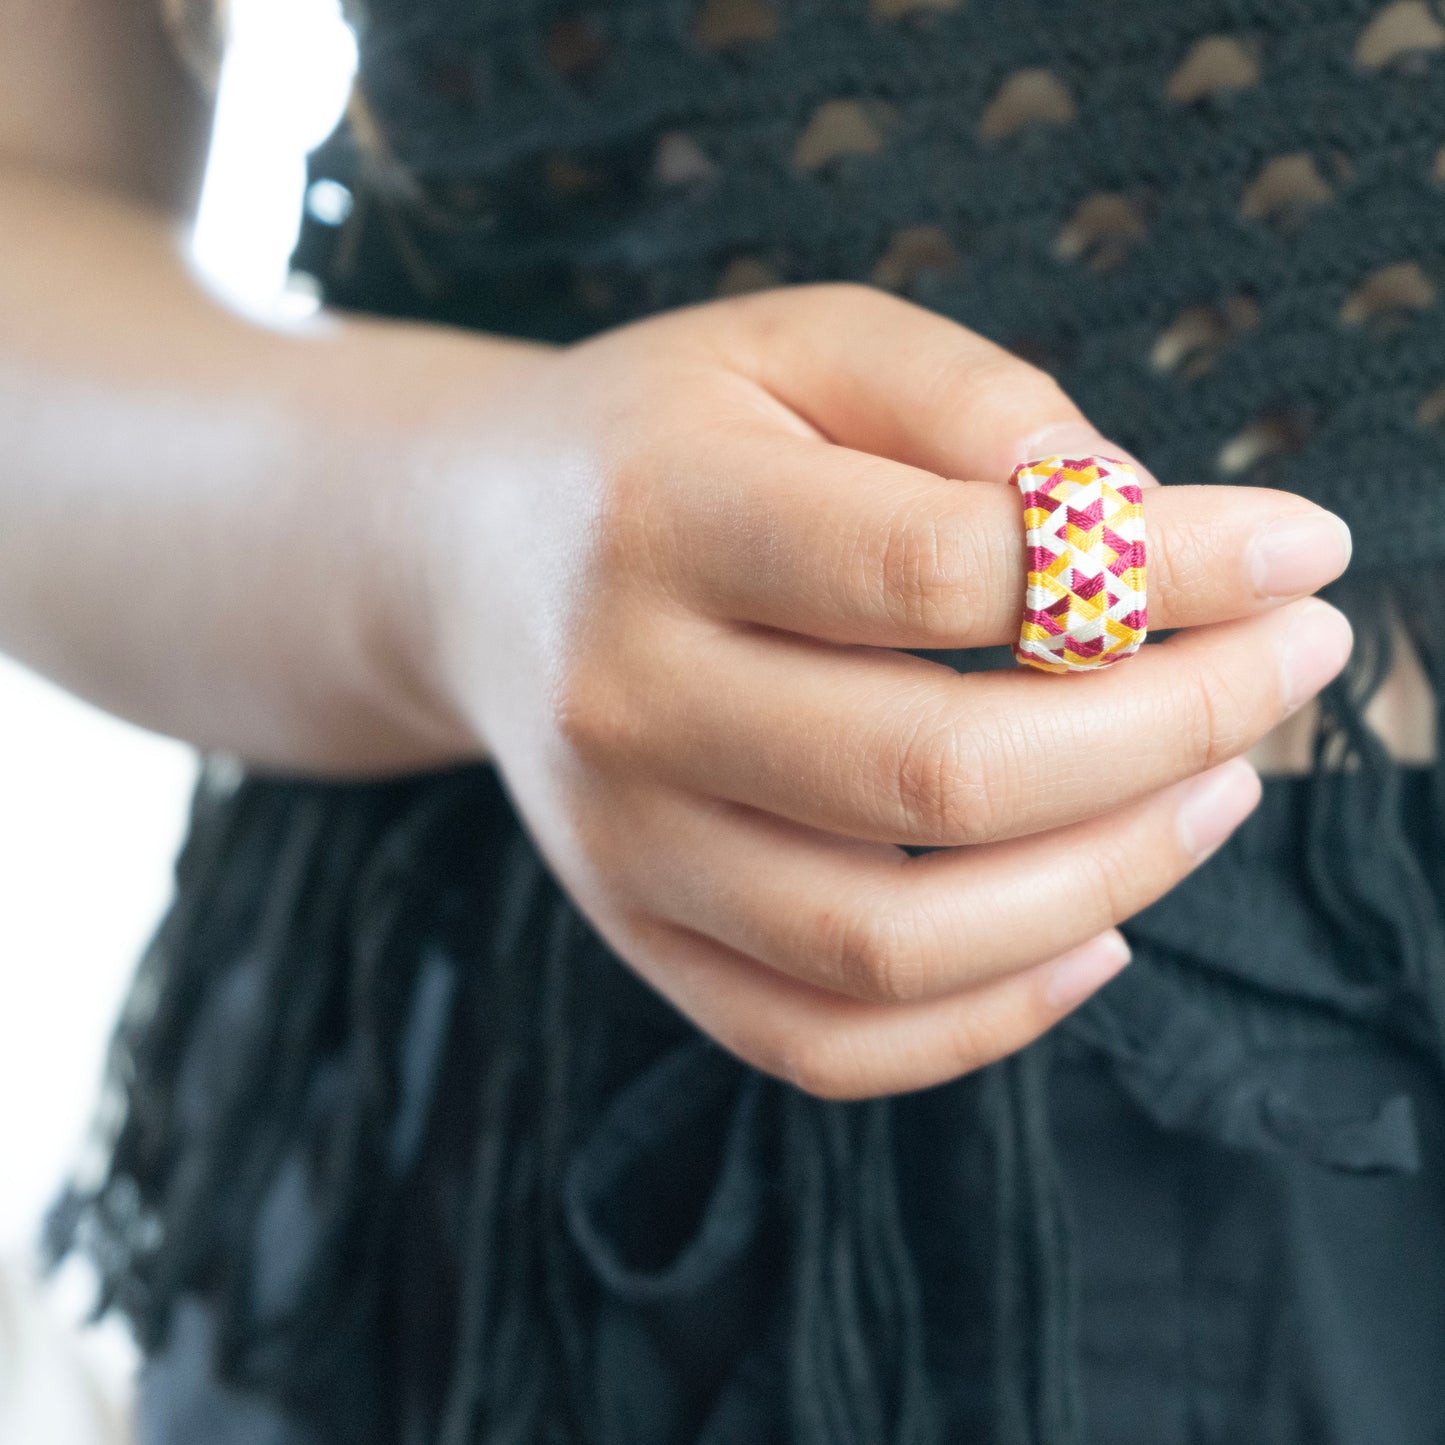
405, 1154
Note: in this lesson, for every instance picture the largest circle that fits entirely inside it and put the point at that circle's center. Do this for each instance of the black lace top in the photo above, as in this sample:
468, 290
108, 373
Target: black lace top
1217, 221
437, 1166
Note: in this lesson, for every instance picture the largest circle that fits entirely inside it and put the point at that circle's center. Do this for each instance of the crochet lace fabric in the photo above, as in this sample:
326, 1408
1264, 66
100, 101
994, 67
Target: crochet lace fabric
1218, 222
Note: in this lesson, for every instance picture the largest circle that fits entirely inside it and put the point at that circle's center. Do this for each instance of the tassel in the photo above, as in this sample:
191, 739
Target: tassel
1039, 1396
857, 1374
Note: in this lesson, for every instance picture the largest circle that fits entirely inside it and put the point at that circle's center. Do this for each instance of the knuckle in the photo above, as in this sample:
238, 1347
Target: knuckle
767, 312
921, 784
829, 297
980, 1038
1216, 715
1113, 893
824, 1063
1178, 559
919, 567
593, 717
878, 955
629, 527
943, 793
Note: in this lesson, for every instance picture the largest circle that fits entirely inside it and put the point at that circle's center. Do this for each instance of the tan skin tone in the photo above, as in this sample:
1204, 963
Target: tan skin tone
659, 577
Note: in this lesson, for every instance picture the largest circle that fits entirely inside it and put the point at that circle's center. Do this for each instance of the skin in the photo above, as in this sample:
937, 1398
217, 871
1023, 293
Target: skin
659, 578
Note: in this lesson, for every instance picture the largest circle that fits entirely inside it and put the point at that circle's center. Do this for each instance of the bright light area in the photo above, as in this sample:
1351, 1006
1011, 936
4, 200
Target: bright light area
288, 69
91, 813
92, 810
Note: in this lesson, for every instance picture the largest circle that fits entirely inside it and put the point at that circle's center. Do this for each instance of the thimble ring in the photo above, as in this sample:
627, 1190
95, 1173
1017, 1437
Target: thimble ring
1086, 594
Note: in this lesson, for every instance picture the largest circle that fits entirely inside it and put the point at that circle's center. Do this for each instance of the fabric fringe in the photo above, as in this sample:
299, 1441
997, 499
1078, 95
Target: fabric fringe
1038, 1391
1380, 891
856, 1348
296, 961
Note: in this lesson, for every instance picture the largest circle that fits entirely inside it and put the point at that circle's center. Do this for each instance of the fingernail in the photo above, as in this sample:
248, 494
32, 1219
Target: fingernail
1215, 804
1078, 973
1077, 439
1315, 649
1298, 554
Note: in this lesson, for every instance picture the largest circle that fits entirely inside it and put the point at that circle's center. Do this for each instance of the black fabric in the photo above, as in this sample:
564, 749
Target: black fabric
399, 1152
573, 1218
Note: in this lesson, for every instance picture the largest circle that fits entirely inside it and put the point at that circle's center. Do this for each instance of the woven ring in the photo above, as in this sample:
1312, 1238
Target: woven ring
1086, 595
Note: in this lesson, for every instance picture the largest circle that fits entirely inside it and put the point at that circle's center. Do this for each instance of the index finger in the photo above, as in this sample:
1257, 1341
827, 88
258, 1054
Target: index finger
810, 537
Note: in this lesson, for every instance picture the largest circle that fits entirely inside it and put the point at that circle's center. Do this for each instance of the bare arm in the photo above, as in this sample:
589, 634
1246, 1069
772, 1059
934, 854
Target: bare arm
193, 507
91, 90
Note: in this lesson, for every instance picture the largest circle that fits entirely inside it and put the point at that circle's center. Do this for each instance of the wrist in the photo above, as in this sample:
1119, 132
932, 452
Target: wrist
412, 404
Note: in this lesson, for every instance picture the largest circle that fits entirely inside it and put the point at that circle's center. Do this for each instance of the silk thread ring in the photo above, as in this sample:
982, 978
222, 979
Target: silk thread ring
1086, 595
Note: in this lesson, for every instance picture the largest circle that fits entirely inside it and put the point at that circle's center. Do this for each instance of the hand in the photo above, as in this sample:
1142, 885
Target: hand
668, 568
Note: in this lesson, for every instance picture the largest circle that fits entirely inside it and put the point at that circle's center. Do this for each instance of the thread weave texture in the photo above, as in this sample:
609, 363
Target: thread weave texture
1086, 597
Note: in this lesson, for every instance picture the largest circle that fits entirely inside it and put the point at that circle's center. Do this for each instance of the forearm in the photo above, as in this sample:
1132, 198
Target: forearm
206, 523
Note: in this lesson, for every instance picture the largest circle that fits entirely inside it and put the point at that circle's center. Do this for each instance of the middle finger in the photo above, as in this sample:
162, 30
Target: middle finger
881, 745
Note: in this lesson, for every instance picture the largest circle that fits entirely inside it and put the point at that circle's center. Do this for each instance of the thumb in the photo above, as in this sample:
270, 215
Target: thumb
878, 374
